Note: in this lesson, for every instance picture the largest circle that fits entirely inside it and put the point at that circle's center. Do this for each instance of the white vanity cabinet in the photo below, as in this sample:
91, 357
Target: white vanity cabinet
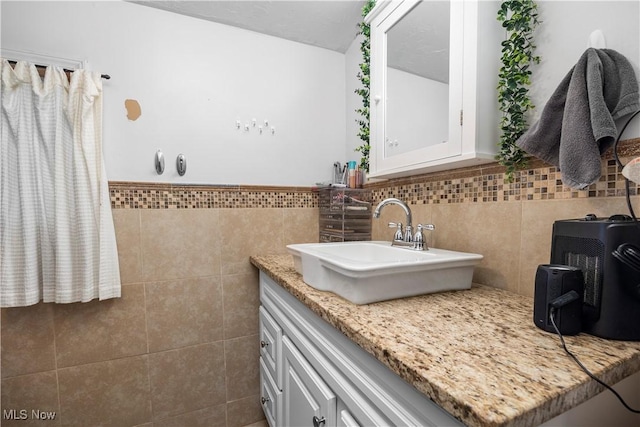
434, 72
321, 378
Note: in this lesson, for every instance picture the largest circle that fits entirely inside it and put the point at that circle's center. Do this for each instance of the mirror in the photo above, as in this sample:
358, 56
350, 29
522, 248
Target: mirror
443, 119
417, 78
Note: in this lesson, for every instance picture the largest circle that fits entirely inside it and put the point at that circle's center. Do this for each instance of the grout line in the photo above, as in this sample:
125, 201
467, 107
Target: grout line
224, 338
146, 319
55, 358
226, 382
146, 330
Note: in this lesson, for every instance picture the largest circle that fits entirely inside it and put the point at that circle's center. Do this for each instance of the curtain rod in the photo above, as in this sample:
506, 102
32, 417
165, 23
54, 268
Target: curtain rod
66, 70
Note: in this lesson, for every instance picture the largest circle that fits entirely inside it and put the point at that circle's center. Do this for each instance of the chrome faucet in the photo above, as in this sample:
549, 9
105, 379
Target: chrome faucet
406, 239
393, 201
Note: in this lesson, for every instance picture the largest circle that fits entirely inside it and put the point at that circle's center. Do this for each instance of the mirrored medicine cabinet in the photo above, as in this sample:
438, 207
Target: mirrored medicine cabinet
434, 73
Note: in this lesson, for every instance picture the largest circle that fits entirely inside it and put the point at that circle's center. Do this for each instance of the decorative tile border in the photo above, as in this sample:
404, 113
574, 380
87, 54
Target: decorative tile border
487, 183
482, 184
133, 195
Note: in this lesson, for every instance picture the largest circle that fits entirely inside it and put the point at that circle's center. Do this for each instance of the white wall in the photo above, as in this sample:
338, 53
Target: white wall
193, 80
353, 58
563, 36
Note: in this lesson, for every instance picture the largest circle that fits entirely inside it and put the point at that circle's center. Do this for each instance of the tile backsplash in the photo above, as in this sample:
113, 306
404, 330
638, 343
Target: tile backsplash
130, 195
510, 224
179, 347
487, 183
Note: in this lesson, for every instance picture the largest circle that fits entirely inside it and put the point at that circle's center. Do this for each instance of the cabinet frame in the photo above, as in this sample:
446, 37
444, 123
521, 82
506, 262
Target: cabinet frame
475, 39
367, 390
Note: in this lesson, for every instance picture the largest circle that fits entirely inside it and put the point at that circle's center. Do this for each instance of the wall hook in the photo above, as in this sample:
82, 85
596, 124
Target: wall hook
159, 161
596, 40
181, 164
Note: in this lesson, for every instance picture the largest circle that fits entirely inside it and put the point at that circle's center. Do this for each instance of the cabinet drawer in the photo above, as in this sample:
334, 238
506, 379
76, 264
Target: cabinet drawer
270, 396
271, 346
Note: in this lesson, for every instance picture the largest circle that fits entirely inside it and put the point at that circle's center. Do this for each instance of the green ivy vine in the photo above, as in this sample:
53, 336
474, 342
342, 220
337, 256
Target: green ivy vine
519, 18
363, 91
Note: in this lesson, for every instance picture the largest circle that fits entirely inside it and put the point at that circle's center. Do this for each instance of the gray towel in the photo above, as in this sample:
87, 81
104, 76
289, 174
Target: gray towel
577, 125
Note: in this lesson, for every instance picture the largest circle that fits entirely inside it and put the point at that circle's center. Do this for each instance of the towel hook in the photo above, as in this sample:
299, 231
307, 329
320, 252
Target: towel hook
181, 164
159, 162
596, 40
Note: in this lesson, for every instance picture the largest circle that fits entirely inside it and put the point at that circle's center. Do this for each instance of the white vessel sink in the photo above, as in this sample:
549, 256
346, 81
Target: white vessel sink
366, 272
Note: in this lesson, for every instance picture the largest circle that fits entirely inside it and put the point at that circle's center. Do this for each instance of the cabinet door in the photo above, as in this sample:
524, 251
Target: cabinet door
416, 109
271, 345
307, 400
270, 396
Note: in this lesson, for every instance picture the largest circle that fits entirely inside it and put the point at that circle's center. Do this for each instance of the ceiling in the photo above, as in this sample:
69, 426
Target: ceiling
420, 43
330, 24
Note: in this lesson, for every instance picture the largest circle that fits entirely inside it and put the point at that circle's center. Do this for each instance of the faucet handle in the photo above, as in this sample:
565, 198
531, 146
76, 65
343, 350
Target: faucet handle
418, 239
399, 235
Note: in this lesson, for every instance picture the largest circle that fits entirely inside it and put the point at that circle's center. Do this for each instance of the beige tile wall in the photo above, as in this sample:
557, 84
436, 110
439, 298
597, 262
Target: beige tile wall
514, 236
180, 348
510, 224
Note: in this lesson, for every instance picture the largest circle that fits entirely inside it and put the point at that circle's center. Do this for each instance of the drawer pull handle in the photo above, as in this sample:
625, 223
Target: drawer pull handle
263, 344
264, 400
317, 422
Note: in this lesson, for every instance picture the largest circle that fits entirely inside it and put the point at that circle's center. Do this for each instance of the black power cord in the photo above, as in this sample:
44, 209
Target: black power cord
575, 358
627, 254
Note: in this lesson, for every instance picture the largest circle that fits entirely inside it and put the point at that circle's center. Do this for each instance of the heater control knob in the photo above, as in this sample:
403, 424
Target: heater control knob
620, 217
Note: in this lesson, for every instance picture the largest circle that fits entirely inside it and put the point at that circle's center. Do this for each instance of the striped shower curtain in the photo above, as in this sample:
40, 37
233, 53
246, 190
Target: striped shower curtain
57, 240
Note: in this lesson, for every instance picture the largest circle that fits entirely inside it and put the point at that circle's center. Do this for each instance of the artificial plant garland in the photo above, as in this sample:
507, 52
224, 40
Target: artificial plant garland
363, 76
519, 18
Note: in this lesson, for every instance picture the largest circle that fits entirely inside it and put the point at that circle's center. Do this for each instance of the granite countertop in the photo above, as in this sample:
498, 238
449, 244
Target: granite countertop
476, 353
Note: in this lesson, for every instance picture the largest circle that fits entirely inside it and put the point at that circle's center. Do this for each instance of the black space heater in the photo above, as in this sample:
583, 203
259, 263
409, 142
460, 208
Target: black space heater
607, 250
